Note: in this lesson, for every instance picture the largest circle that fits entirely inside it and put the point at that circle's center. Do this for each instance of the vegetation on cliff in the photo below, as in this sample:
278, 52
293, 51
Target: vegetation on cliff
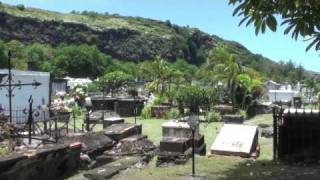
67, 44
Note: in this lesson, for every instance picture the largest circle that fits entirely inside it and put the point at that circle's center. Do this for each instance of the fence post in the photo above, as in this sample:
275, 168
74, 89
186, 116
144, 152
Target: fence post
74, 121
56, 128
87, 122
275, 134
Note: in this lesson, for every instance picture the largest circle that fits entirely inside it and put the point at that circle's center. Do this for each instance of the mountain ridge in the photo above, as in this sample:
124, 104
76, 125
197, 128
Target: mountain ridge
124, 38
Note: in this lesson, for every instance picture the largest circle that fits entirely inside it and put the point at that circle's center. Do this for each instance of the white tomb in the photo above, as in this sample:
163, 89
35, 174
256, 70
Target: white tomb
234, 139
176, 129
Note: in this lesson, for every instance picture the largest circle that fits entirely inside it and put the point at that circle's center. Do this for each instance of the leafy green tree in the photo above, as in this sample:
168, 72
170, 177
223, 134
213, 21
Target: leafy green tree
311, 85
79, 61
158, 72
188, 70
249, 84
18, 55
193, 97
3, 56
126, 67
40, 54
225, 68
114, 81
301, 17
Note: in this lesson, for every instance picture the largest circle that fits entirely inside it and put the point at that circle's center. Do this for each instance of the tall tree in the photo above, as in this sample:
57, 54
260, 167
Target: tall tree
249, 84
158, 72
3, 56
225, 68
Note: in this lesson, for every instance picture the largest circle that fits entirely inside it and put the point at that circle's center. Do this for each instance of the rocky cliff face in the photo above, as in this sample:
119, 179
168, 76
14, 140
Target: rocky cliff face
120, 43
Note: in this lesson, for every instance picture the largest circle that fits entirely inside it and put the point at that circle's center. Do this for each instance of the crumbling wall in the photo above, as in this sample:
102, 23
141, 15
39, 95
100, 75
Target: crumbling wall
51, 163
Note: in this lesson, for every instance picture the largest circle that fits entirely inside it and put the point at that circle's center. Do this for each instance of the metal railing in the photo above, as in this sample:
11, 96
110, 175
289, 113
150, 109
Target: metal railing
296, 136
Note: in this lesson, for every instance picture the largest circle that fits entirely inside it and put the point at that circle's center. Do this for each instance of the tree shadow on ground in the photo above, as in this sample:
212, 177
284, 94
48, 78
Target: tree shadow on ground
269, 170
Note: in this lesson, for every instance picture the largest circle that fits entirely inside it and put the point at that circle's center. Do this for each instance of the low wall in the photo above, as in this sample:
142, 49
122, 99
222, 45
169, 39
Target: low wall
51, 163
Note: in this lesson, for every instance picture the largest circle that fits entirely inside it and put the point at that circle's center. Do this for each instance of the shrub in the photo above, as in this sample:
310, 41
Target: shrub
173, 113
146, 112
243, 114
194, 96
159, 100
3, 151
20, 7
213, 116
115, 80
92, 87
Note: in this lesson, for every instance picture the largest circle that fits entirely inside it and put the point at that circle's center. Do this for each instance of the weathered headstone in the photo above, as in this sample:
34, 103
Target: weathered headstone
238, 140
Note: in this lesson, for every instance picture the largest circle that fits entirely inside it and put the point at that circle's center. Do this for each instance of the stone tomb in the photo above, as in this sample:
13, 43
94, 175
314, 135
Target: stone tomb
237, 140
123, 106
176, 142
106, 118
120, 131
52, 162
232, 119
112, 120
103, 103
93, 143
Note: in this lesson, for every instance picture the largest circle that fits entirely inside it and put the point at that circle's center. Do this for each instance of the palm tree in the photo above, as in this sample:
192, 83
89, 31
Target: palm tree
225, 68
249, 85
311, 85
157, 71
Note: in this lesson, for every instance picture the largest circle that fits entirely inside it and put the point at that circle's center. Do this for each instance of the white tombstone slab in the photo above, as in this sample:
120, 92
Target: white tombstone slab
234, 139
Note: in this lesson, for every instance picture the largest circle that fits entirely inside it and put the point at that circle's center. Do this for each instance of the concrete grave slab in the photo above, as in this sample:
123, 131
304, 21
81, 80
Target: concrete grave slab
234, 139
123, 130
112, 120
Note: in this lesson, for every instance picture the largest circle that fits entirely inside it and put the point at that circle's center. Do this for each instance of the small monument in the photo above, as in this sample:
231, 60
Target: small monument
177, 141
238, 140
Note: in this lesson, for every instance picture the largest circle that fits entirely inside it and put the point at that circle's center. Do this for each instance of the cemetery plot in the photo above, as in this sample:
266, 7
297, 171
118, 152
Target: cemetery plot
176, 142
123, 130
125, 107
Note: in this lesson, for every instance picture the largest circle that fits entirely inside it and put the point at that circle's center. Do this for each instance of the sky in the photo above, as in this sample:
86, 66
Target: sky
211, 16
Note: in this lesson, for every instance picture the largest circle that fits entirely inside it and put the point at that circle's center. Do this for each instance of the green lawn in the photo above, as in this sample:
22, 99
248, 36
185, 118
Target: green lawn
219, 167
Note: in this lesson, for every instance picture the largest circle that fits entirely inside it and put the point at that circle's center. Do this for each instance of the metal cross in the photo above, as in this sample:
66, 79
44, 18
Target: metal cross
10, 85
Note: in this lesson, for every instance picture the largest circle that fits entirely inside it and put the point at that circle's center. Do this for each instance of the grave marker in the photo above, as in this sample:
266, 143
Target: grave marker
238, 140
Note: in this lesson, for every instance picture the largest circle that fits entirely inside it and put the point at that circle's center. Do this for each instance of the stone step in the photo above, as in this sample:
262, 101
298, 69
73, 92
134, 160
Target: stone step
111, 169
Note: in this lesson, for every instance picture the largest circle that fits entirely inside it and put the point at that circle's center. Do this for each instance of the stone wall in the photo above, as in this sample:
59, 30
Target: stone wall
51, 163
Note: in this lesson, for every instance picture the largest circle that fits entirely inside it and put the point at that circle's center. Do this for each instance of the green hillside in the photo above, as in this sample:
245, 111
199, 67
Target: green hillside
125, 38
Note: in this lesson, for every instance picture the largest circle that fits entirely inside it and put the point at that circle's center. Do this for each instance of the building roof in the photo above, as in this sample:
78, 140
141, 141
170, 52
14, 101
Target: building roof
272, 82
25, 73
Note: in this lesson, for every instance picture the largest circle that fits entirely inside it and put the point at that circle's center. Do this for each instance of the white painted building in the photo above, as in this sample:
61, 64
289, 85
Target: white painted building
73, 82
282, 93
40, 94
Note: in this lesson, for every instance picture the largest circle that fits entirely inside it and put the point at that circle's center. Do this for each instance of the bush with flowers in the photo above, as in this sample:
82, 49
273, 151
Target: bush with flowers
79, 93
58, 106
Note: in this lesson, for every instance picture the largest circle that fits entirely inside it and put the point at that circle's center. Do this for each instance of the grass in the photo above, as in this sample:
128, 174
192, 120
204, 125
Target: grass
219, 167
3, 151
